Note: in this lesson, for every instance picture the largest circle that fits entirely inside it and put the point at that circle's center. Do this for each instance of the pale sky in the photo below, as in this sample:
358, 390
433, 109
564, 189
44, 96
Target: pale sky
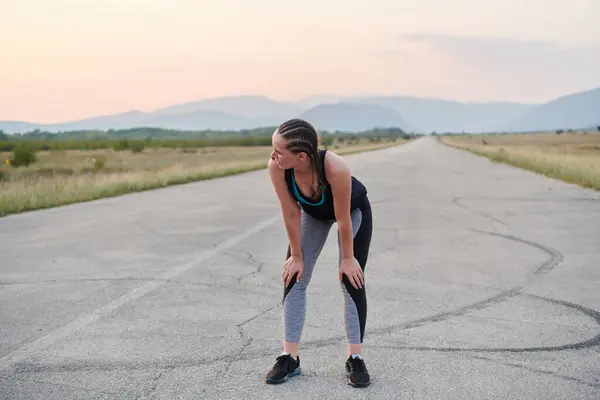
70, 59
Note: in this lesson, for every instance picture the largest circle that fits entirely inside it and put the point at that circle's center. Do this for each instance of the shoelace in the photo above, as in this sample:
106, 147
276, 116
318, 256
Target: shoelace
357, 365
284, 360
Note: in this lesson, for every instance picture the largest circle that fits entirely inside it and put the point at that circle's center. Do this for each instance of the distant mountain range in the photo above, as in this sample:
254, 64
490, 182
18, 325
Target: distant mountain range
356, 113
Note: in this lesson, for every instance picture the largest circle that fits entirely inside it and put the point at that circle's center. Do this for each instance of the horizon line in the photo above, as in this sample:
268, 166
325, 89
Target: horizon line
298, 100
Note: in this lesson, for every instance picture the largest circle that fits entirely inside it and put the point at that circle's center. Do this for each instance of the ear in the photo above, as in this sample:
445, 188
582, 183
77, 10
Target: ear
302, 156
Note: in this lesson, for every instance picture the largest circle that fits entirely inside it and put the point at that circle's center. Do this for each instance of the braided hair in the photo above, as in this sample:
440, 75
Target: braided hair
302, 137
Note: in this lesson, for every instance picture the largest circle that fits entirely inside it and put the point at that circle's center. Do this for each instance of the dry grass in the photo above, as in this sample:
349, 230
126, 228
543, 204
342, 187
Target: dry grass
573, 158
63, 177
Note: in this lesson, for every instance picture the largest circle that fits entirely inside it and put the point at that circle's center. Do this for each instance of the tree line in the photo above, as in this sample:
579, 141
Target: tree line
148, 137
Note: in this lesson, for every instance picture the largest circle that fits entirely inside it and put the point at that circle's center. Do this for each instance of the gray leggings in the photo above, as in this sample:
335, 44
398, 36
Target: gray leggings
313, 236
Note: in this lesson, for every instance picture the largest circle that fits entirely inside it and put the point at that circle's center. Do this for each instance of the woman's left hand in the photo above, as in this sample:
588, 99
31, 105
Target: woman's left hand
351, 268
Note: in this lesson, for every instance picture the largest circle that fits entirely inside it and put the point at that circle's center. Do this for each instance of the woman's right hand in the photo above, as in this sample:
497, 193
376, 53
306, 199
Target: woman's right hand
292, 266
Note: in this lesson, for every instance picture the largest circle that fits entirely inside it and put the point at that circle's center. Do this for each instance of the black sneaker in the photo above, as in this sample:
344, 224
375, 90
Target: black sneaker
357, 373
285, 367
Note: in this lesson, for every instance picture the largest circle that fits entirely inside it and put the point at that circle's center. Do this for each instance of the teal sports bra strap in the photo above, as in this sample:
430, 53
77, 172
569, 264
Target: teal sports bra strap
301, 199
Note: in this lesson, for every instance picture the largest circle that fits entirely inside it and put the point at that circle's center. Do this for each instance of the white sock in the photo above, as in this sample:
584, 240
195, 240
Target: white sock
356, 356
285, 353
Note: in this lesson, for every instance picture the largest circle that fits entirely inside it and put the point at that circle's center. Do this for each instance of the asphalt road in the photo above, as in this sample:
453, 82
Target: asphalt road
483, 283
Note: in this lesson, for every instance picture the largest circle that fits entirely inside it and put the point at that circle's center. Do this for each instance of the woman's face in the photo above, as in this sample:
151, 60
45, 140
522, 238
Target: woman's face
284, 158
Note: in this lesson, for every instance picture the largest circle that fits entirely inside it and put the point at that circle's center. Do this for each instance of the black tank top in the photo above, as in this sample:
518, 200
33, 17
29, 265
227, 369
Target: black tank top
323, 209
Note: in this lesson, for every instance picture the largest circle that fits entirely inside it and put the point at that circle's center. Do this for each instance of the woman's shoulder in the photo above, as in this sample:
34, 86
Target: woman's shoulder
274, 170
334, 160
335, 164
278, 174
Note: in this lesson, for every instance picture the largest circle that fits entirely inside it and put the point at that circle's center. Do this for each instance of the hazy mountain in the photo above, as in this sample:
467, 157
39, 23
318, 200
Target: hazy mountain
449, 116
224, 113
574, 111
331, 112
312, 101
354, 117
215, 120
16, 126
196, 120
127, 119
247, 106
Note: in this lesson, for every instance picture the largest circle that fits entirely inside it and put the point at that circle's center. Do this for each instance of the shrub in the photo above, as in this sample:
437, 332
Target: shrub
23, 155
6, 146
122, 144
99, 162
137, 146
326, 141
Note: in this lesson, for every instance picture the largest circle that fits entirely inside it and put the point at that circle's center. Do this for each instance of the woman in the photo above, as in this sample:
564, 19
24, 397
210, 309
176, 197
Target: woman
315, 189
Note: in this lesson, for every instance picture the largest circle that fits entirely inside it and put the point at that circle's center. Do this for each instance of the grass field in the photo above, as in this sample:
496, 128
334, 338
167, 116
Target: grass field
571, 157
70, 176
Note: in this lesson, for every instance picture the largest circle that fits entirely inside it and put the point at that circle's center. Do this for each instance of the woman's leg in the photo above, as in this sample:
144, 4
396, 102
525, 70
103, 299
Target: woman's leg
355, 300
313, 236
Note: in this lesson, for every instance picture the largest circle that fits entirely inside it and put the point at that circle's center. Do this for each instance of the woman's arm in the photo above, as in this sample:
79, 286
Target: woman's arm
289, 208
340, 178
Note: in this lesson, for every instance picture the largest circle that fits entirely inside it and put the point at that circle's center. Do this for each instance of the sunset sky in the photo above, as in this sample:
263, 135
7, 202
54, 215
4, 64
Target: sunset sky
70, 59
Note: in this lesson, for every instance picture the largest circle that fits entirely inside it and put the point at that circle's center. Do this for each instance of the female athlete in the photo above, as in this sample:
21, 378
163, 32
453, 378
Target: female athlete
315, 189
